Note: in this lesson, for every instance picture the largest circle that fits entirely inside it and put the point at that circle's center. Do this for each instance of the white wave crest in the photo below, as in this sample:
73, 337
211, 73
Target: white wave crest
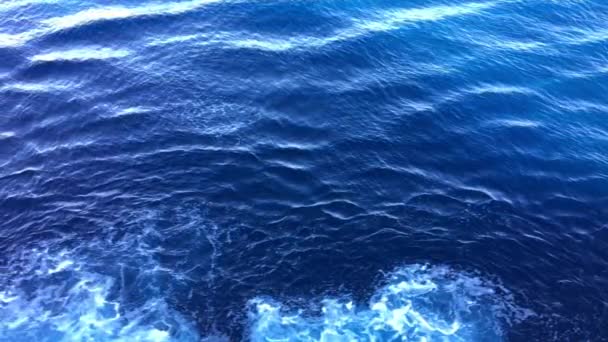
383, 21
81, 54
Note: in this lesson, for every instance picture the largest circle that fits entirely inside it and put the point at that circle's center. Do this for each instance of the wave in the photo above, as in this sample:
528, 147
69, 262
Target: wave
420, 302
93, 15
382, 21
5, 135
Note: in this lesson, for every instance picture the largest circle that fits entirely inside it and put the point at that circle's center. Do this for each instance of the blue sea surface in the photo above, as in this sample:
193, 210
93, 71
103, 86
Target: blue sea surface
290, 170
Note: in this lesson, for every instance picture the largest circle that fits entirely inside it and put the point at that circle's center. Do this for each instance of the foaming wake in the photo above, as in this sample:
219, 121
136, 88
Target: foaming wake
117, 286
419, 303
113, 288
55, 297
116, 289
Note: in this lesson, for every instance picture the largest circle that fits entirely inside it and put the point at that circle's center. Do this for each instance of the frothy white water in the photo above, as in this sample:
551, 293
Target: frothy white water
53, 297
116, 290
419, 303
113, 287
4, 135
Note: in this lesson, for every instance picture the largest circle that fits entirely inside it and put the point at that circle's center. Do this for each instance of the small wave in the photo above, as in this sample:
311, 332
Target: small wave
13, 40
40, 87
577, 36
81, 54
382, 21
112, 288
93, 15
119, 12
581, 106
393, 19
499, 89
6, 135
485, 89
421, 303
9, 5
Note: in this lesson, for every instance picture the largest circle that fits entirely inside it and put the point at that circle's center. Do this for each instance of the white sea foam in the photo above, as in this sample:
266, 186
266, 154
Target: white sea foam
419, 303
78, 296
56, 298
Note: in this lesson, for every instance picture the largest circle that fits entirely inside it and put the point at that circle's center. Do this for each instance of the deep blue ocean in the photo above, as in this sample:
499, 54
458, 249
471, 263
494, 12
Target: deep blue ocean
291, 170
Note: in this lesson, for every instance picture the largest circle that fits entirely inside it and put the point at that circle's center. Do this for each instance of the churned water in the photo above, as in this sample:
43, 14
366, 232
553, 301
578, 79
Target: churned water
218, 170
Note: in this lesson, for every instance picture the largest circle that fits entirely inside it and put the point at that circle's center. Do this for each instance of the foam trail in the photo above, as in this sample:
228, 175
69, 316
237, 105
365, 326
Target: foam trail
419, 303
49, 296
114, 287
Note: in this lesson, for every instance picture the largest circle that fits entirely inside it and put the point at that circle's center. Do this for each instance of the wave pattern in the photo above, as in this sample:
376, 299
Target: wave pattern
241, 170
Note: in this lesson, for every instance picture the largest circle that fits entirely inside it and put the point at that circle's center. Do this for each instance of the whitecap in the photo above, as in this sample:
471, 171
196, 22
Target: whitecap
133, 110
81, 54
6, 135
39, 87
394, 19
517, 123
61, 266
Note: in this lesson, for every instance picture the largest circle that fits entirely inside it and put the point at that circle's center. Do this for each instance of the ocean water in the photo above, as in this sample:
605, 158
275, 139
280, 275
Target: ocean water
290, 170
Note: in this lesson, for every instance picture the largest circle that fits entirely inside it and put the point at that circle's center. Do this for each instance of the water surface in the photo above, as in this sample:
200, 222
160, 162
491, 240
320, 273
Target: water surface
423, 170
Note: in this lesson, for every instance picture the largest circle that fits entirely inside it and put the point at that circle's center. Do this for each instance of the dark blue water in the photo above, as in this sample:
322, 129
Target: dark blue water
423, 170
